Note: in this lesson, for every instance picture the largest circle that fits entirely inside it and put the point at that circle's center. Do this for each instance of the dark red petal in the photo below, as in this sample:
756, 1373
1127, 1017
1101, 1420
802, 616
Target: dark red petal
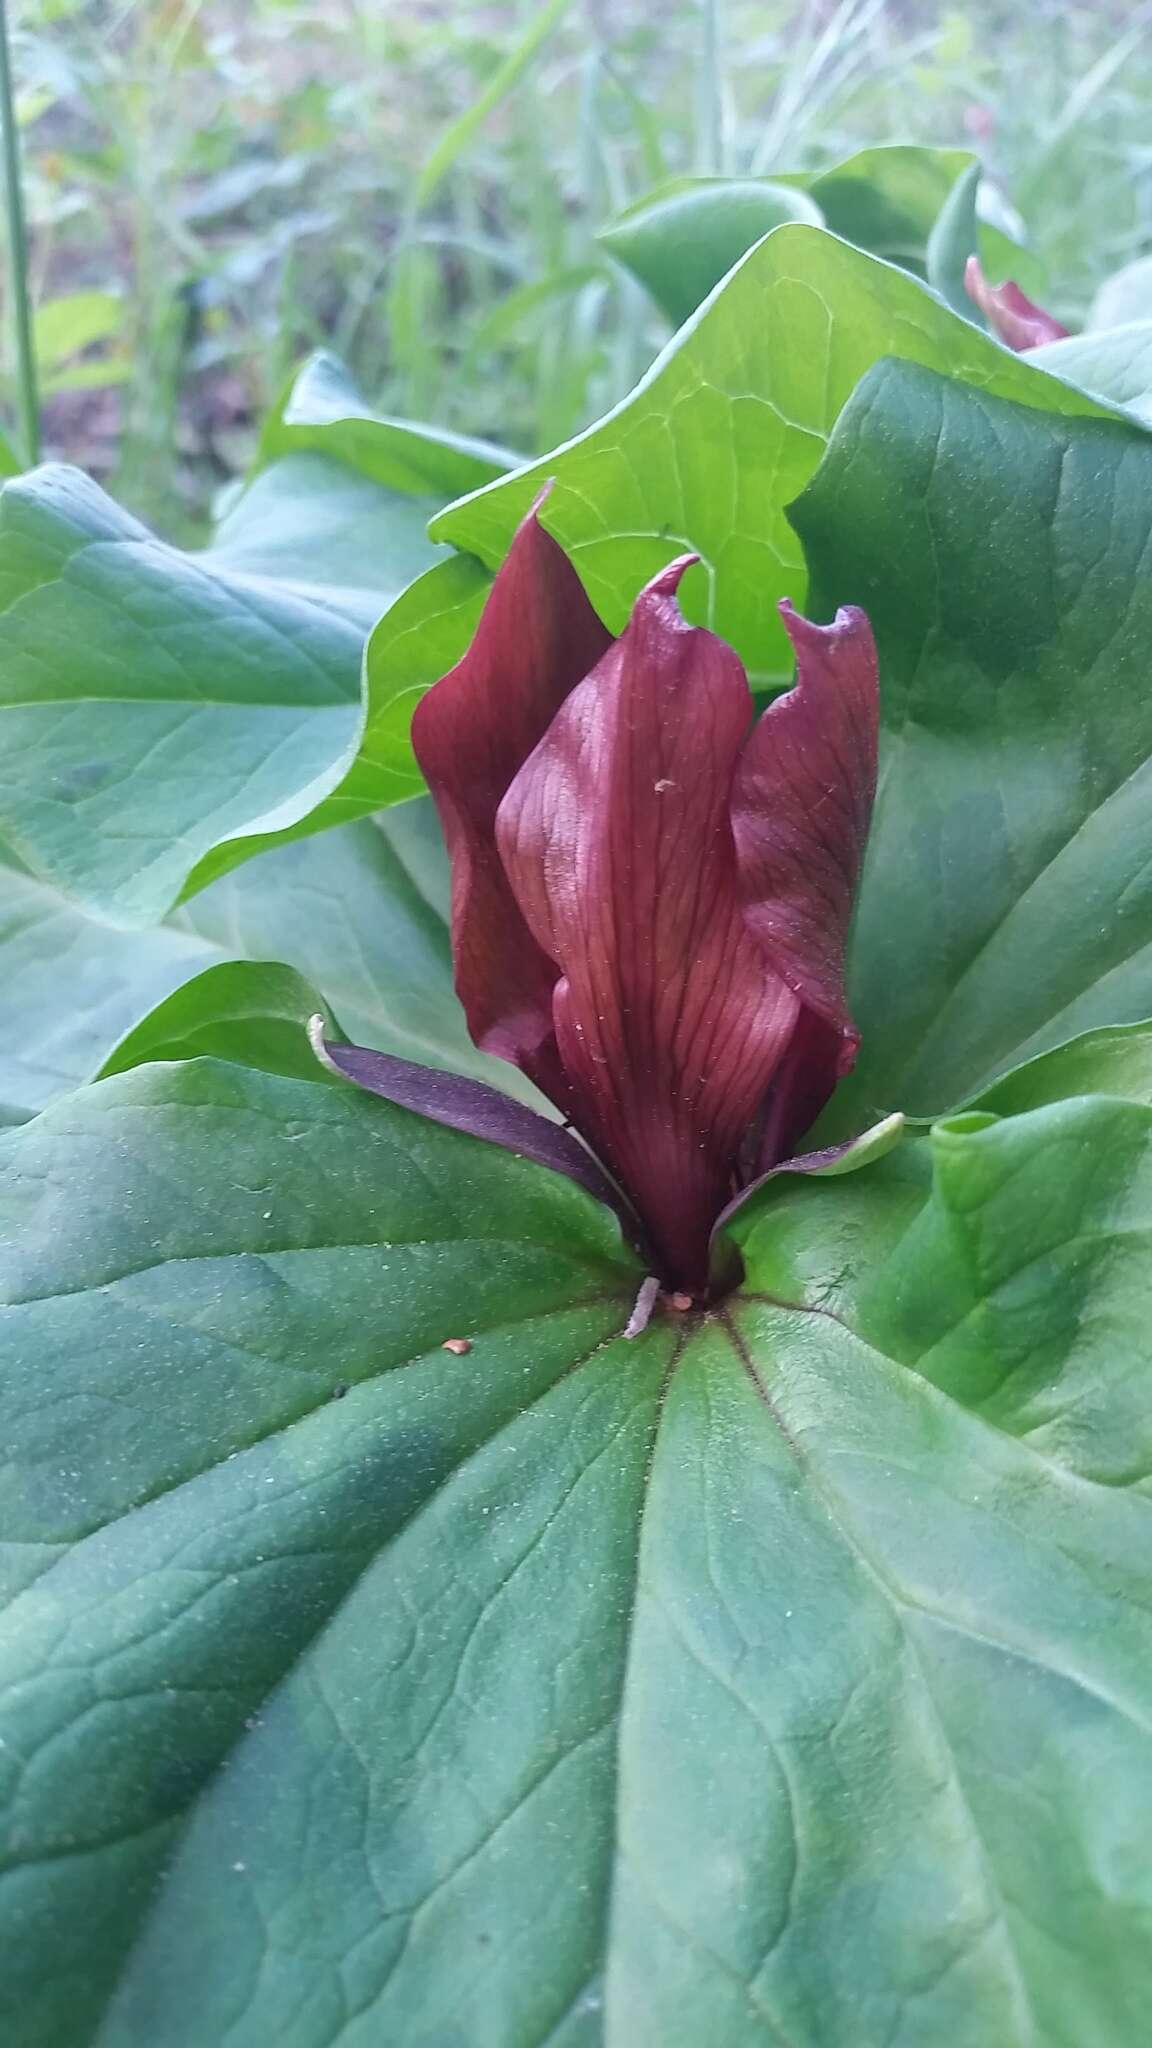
1012, 316
537, 637
468, 1106
617, 840
801, 805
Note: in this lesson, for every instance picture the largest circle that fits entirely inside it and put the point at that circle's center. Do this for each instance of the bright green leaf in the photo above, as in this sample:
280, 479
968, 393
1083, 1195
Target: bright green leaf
1116, 1060
322, 410
252, 1011
1020, 1289
683, 238
1007, 898
727, 428
65, 326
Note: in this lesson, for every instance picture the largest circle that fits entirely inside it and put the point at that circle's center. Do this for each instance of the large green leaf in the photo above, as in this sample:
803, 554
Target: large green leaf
729, 425
154, 704
359, 913
782, 1676
1007, 901
173, 713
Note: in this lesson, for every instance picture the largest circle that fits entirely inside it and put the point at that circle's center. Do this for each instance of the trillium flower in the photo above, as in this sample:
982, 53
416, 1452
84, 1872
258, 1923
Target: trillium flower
1014, 318
651, 893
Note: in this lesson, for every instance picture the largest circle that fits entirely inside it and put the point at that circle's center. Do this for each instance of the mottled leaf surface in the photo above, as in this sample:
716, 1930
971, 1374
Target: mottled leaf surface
781, 1676
1000, 553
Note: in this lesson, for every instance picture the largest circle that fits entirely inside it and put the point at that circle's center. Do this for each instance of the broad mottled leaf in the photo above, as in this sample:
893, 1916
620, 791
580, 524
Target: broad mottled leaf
171, 713
360, 914
727, 428
154, 704
999, 553
784, 1675
70, 987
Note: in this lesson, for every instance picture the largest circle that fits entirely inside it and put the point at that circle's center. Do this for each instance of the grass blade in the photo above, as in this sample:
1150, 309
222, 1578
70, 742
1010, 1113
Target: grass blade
28, 396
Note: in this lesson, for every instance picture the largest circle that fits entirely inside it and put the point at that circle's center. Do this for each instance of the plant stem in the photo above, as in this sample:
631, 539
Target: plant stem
18, 255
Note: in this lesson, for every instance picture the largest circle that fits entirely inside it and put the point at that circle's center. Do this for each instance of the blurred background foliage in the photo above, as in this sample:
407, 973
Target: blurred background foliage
215, 187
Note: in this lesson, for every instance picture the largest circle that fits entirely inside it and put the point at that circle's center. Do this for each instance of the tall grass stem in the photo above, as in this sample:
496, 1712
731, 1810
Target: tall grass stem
27, 394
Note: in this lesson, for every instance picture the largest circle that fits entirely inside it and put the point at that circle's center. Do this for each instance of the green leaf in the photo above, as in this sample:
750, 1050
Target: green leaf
954, 238
1113, 363
773, 1677
262, 1246
1116, 1060
1006, 902
322, 410
684, 237
887, 199
729, 425
155, 704
1125, 296
417, 641
70, 987
65, 326
1020, 1289
358, 913
255, 1012
176, 713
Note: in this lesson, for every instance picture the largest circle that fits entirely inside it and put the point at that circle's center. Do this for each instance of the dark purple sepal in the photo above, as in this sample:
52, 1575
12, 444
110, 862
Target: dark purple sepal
830, 1160
471, 1107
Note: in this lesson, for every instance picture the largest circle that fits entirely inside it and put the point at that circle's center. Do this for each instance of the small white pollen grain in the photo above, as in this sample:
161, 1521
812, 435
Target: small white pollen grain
662, 785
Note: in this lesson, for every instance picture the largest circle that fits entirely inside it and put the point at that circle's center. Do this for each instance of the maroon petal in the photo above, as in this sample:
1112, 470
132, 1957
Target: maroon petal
801, 805
1011, 315
468, 1106
537, 637
617, 840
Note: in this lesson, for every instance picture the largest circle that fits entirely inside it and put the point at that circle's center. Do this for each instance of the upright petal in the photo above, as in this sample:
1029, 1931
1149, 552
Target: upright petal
617, 840
801, 805
537, 637
1013, 317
